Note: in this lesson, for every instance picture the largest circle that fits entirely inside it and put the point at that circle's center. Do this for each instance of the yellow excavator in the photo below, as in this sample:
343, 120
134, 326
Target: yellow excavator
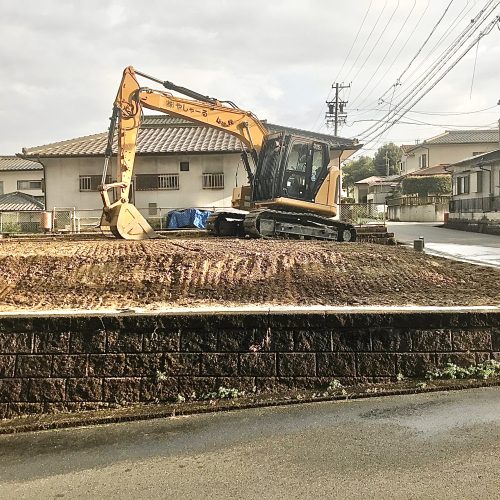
293, 179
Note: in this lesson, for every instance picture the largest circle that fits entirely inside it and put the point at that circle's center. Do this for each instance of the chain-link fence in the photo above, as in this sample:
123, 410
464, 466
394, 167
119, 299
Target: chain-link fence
363, 213
20, 222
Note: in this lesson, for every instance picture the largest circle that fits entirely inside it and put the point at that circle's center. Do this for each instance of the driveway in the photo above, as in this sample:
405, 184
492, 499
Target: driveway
476, 248
439, 445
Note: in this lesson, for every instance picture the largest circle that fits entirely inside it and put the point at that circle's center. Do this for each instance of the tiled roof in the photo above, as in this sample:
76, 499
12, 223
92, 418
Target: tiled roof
465, 137
369, 180
435, 170
13, 163
387, 179
18, 201
407, 147
164, 134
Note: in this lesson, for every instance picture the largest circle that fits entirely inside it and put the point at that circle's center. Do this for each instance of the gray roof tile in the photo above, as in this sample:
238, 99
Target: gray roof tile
464, 137
13, 163
17, 201
165, 134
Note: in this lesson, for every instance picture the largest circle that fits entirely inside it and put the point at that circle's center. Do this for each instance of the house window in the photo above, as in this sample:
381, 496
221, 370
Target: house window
463, 184
92, 182
422, 161
184, 166
154, 182
1, 187
85, 183
168, 181
29, 185
479, 182
213, 181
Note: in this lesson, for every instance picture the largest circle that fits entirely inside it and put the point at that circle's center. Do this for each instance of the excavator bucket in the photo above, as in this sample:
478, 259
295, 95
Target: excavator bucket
126, 222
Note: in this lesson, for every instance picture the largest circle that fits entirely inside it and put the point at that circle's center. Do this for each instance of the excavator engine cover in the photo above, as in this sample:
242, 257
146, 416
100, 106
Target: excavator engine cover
126, 222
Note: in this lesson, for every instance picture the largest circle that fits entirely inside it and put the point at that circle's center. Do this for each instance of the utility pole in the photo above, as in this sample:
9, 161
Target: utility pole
387, 163
336, 114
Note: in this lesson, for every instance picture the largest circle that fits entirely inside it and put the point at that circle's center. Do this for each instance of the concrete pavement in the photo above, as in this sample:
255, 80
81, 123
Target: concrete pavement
440, 445
475, 248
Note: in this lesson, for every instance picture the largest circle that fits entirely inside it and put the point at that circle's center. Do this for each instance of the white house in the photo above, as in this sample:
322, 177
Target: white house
179, 164
476, 188
448, 147
21, 175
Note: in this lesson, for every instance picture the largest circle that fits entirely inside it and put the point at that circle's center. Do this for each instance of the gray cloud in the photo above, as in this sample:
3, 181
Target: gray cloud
61, 61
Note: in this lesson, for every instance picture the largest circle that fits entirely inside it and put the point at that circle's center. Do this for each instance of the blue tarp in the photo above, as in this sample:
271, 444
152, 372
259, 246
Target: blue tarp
190, 217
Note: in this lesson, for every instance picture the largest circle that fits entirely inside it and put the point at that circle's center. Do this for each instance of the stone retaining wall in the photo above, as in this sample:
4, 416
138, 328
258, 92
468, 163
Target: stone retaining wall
69, 363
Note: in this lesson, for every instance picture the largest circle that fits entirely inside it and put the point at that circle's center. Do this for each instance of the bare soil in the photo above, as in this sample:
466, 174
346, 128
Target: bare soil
100, 273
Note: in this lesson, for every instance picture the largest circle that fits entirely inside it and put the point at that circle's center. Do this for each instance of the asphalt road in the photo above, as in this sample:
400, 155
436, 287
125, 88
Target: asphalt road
471, 247
441, 445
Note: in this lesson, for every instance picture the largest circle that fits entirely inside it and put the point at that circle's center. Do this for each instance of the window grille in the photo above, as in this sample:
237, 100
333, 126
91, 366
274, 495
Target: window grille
154, 182
91, 182
168, 181
213, 181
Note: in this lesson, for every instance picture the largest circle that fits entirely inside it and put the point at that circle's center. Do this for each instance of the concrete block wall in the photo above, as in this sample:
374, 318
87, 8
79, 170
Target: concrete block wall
84, 362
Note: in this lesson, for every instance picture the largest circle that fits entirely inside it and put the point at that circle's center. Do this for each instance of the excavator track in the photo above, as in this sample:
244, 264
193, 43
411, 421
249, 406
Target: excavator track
280, 225
226, 224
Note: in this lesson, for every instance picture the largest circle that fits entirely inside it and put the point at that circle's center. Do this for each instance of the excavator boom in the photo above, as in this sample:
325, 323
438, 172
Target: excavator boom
122, 218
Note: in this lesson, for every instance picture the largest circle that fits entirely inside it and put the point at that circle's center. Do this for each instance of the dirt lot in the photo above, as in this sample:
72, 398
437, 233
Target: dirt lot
110, 273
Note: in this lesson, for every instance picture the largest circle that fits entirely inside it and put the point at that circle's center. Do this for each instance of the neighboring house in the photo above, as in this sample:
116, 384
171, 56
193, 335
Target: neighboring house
448, 147
476, 188
18, 174
178, 164
361, 188
375, 189
415, 208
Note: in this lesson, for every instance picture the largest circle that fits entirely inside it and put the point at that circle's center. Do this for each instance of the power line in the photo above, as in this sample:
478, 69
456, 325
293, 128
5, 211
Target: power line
437, 66
369, 80
421, 48
345, 60
483, 33
410, 36
377, 42
448, 31
366, 41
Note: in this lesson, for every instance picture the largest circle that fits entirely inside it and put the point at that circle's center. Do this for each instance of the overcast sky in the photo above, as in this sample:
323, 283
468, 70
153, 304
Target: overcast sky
61, 61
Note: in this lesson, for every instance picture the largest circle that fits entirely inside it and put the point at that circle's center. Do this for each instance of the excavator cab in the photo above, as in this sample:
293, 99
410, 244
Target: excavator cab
290, 167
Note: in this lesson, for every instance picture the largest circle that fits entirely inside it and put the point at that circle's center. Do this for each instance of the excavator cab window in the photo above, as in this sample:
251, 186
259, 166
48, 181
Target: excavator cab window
305, 171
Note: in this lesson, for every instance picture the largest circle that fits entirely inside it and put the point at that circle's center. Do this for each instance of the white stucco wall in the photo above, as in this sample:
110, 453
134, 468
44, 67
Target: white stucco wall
10, 179
63, 174
444, 153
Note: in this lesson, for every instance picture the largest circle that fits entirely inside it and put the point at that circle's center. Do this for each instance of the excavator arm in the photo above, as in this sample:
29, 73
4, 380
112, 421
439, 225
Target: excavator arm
119, 215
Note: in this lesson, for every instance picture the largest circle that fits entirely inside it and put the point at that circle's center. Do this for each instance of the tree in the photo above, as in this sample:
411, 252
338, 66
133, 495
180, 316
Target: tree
356, 170
389, 152
427, 185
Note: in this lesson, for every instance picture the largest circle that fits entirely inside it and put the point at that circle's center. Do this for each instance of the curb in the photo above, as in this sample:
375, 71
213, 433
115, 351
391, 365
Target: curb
172, 410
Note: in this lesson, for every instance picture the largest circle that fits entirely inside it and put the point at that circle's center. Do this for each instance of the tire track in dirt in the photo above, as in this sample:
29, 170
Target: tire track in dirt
112, 273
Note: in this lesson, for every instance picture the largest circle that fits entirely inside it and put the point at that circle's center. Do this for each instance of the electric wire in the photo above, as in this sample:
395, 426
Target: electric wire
421, 47
448, 31
483, 33
369, 80
382, 33
345, 60
439, 64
